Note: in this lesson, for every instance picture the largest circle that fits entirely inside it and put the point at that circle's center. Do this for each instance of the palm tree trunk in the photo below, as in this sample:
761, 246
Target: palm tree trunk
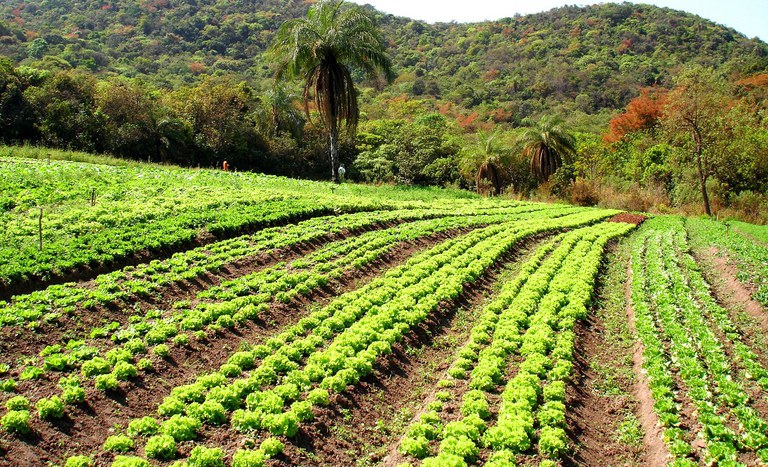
334, 156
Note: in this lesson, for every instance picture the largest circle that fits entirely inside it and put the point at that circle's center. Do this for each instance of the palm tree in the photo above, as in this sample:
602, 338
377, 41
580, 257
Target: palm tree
320, 49
487, 160
548, 144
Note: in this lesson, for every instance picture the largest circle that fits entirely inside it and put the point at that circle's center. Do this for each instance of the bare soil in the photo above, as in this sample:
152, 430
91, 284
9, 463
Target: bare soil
628, 217
729, 290
600, 397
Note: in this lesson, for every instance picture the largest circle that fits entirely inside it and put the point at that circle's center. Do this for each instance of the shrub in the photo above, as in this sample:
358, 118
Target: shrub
16, 421
50, 408
118, 443
583, 193
161, 447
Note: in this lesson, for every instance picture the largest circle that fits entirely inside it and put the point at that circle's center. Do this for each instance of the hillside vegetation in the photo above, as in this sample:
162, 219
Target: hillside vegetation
189, 83
598, 56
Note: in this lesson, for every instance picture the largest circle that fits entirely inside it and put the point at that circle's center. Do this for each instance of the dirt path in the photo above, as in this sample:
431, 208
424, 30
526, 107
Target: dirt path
656, 453
729, 290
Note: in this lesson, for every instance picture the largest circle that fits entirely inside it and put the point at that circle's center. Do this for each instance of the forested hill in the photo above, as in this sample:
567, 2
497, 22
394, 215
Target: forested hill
587, 57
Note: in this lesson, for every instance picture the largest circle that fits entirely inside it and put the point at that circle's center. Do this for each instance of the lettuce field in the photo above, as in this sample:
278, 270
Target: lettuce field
165, 316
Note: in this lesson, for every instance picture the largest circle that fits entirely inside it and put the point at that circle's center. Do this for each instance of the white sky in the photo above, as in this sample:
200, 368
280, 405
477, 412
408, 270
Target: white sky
749, 17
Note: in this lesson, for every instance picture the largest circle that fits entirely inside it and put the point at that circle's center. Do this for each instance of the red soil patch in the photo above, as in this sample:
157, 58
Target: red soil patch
628, 218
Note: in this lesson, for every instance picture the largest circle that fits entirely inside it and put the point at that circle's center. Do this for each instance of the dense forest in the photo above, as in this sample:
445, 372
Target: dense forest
189, 83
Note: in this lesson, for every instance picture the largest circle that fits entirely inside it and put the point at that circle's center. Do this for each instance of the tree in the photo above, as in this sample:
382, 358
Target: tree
486, 160
548, 144
642, 112
321, 48
16, 114
694, 118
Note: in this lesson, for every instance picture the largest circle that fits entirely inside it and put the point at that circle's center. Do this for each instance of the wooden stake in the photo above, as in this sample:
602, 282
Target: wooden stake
40, 228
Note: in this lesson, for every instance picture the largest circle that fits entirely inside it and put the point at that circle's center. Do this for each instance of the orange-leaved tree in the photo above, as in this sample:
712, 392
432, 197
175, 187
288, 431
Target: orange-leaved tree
642, 112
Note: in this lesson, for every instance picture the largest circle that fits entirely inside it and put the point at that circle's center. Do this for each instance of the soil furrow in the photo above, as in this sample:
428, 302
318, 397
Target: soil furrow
655, 452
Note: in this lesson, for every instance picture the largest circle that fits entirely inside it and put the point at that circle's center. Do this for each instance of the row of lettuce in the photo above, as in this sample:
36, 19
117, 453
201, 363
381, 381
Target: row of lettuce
117, 351
508, 380
704, 374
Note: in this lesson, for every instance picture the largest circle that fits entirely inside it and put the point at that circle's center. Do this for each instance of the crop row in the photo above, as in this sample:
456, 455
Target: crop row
274, 386
94, 214
240, 300
526, 331
693, 354
57, 300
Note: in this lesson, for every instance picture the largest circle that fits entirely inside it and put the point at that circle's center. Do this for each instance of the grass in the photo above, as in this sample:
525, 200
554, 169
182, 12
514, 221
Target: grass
758, 232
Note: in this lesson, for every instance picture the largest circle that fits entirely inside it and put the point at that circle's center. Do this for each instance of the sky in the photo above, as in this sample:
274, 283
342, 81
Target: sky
749, 17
